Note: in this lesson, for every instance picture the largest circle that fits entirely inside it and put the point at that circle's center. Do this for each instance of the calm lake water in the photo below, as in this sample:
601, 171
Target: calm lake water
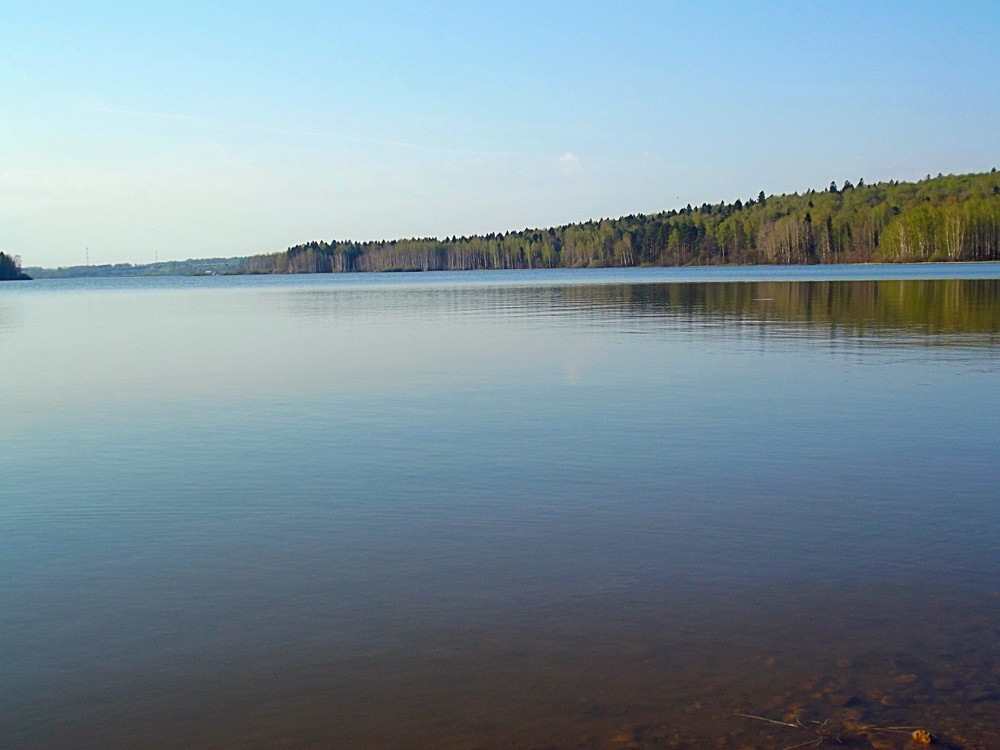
602, 509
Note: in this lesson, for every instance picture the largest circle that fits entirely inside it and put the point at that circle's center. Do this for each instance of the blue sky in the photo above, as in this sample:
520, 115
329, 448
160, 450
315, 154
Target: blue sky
153, 130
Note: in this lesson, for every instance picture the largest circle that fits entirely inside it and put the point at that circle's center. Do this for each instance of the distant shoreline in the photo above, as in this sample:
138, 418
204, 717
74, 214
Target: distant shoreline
125, 271
953, 218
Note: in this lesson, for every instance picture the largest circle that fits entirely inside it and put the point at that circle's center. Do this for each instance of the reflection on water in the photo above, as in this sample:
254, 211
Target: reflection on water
930, 307
467, 514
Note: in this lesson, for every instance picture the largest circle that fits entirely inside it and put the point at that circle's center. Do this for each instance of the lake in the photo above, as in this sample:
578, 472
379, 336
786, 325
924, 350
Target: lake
730, 507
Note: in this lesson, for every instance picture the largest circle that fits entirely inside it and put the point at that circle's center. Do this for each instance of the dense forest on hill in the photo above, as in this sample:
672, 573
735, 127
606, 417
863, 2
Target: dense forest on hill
10, 268
945, 218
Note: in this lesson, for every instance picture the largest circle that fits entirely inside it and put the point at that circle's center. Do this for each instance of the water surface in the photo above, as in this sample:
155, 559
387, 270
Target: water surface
514, 509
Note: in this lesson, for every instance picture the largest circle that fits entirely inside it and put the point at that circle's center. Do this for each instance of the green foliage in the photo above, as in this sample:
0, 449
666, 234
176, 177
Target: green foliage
947, 218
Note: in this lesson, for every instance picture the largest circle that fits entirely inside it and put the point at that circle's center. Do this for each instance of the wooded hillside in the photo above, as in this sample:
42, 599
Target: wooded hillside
946, 218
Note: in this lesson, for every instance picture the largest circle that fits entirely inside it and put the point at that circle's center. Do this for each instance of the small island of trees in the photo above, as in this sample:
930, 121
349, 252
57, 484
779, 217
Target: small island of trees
10, 268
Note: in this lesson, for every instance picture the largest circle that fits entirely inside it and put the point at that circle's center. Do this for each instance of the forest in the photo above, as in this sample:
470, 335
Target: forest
10, 268
943, 218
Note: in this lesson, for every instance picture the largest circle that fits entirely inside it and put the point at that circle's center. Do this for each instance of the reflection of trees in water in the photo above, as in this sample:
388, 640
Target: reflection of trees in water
913, 306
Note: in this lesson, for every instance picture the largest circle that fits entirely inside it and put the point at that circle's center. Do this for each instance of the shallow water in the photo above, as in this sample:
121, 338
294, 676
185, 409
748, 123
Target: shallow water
594, 509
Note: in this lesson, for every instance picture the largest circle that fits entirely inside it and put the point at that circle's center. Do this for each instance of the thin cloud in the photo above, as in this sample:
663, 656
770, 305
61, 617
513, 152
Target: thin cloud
179, 117
251, 126
571, 164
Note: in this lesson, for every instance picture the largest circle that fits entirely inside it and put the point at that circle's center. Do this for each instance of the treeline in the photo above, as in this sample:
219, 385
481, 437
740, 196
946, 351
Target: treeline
945, 218
190, 267
10, 268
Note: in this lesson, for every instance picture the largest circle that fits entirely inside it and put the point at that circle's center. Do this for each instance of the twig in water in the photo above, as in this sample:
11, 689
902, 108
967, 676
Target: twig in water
824, 732
797, 725
816, 742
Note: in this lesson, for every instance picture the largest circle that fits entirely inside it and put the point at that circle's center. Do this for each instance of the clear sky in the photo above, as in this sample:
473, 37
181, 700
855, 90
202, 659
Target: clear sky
145, 130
